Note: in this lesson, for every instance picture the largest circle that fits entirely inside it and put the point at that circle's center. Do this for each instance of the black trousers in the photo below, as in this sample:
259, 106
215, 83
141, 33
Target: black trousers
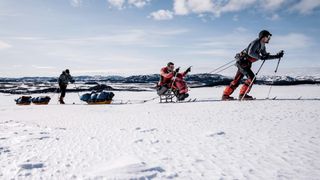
63, 89
244, 69
162, 89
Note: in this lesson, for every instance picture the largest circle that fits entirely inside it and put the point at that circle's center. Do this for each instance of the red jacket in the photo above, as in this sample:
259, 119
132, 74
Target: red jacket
166, 76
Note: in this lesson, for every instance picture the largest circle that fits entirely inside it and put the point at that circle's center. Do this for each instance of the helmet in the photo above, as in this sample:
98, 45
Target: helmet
264, 33
67, 71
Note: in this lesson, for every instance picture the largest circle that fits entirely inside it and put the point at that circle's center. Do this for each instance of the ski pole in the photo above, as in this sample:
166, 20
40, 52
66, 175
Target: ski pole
221, 67
174, 78
275, 72
224, 68
277, 66
254, 78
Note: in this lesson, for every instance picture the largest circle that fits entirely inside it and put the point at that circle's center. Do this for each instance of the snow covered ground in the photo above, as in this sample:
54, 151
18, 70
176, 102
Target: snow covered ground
202, 140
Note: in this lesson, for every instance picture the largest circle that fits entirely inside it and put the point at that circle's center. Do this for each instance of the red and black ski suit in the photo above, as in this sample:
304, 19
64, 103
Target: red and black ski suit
255, 51
166, 79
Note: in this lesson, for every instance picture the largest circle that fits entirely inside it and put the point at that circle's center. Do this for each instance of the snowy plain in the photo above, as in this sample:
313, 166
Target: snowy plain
201, 140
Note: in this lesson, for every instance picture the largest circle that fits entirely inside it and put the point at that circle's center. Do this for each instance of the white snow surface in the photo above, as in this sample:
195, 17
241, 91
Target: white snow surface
201, 140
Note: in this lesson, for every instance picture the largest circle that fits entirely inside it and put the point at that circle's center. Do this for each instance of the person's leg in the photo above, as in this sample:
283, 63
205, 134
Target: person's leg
162, 89
63, 93
181, 86
233, 85
245, 89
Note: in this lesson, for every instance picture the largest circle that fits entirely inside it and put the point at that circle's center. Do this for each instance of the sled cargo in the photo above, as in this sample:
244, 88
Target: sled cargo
23, 100
42, 100
97, 97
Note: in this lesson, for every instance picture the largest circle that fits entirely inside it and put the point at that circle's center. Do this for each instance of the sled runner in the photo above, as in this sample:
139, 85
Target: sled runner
167, 97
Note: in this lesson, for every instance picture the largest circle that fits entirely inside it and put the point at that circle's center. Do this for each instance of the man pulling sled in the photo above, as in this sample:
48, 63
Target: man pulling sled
255, 51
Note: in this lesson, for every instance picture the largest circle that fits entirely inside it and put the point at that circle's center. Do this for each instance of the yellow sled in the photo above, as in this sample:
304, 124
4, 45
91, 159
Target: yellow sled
99, 102
23, 104
42, 103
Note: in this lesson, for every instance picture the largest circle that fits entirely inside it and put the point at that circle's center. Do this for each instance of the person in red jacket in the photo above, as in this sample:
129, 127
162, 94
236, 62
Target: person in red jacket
255, 51
170, 78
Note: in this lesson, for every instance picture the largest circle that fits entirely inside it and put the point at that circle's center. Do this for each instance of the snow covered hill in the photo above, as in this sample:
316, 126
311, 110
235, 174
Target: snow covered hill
203, 140
134, 83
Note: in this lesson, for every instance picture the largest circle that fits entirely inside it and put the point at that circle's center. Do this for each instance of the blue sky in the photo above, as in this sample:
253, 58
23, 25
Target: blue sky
125, 37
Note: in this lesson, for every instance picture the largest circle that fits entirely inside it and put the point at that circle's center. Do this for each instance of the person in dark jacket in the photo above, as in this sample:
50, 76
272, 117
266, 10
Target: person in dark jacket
255, 51
63, 81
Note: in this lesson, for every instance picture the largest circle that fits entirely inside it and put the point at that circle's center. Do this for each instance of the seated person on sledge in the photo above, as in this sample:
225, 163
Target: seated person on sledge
171, 79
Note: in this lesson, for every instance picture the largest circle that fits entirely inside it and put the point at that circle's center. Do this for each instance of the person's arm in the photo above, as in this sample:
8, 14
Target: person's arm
70, 78
268, 56
186, 71
253, 50
166, 75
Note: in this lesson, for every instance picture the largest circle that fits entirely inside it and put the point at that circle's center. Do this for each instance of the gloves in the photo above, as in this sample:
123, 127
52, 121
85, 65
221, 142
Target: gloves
188, 70
280, 54
177, 70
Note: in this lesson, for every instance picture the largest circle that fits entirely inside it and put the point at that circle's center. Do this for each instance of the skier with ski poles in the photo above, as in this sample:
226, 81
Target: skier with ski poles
63, 81
170, 78
256, 50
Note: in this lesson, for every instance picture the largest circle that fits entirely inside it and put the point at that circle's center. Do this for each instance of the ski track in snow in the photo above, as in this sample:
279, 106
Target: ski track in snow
209, 140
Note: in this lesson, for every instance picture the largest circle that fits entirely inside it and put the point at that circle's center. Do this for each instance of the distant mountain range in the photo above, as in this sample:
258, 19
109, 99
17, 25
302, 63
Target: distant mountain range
134, 83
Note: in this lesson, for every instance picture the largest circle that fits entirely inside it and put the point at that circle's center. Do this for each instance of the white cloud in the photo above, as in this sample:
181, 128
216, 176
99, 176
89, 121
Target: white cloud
117, 3
292, 41
241, 29
76, 3
42, 67
274, 17
235, 18
120, 4
180, 7
218, 7
200, 6
223, 46
306, 6
146, 37
184, 7
236, 5
10, 14
4, 45
170, 32
272, 4
139, 3
162, 15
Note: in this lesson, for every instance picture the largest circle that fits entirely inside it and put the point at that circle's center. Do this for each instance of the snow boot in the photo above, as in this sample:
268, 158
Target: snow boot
227, 98
61, 101
246, 97
182, 97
